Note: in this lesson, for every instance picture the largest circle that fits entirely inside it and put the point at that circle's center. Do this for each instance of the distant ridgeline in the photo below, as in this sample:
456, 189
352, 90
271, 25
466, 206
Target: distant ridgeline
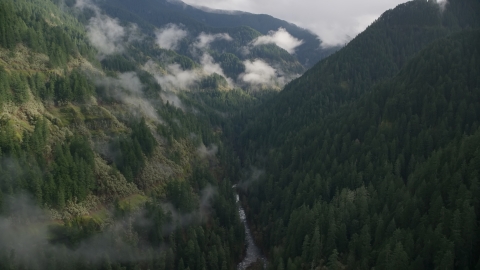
162, 12
371, 158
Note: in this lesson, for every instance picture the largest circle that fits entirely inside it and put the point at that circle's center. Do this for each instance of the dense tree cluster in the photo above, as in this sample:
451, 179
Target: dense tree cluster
72, 175
117, 63
14, 87
9, 29
151, 89
36, 25
66, 175
213, 81
27, 22
74, 87
130, 151
232, 66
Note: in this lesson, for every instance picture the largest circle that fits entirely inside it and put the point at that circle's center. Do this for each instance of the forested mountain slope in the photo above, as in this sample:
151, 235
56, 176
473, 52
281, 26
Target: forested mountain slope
100, 166
371, 158
374, 55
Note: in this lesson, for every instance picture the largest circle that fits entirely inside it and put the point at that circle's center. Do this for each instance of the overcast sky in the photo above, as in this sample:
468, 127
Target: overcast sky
334, 21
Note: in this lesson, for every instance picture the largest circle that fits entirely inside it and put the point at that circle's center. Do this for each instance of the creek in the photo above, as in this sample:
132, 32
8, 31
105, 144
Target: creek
253, 252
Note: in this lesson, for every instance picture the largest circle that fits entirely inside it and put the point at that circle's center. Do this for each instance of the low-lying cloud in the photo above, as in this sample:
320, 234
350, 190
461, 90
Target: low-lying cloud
205, 152
335, 22
177, 78
172, 99
142, 106
442, 4
201, 214
259, 72
127, 88
170, 36
25, 231
281, 38
210, 67
105, 33
203, 40
130, 81
82, 4
26, 234
250, 176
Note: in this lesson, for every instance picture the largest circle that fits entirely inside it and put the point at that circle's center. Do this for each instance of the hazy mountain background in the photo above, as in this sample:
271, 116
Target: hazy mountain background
163, 12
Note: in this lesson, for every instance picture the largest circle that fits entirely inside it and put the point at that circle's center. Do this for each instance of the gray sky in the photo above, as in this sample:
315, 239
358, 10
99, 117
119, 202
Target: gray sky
334, 20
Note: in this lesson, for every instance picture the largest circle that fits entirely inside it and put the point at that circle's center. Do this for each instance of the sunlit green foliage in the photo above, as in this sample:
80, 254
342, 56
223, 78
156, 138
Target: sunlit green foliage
41, 26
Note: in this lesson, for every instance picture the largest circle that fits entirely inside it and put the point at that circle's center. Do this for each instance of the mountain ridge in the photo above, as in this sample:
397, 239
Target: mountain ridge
309, 52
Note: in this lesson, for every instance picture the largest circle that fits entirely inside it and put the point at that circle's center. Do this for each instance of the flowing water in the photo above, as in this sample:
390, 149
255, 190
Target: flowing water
253, 252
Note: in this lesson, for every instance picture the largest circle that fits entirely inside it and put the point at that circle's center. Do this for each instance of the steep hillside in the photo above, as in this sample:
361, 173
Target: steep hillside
100, 166
369, 159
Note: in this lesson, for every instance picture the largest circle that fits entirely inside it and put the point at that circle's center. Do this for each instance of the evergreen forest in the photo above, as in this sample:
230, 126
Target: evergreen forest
152, 134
